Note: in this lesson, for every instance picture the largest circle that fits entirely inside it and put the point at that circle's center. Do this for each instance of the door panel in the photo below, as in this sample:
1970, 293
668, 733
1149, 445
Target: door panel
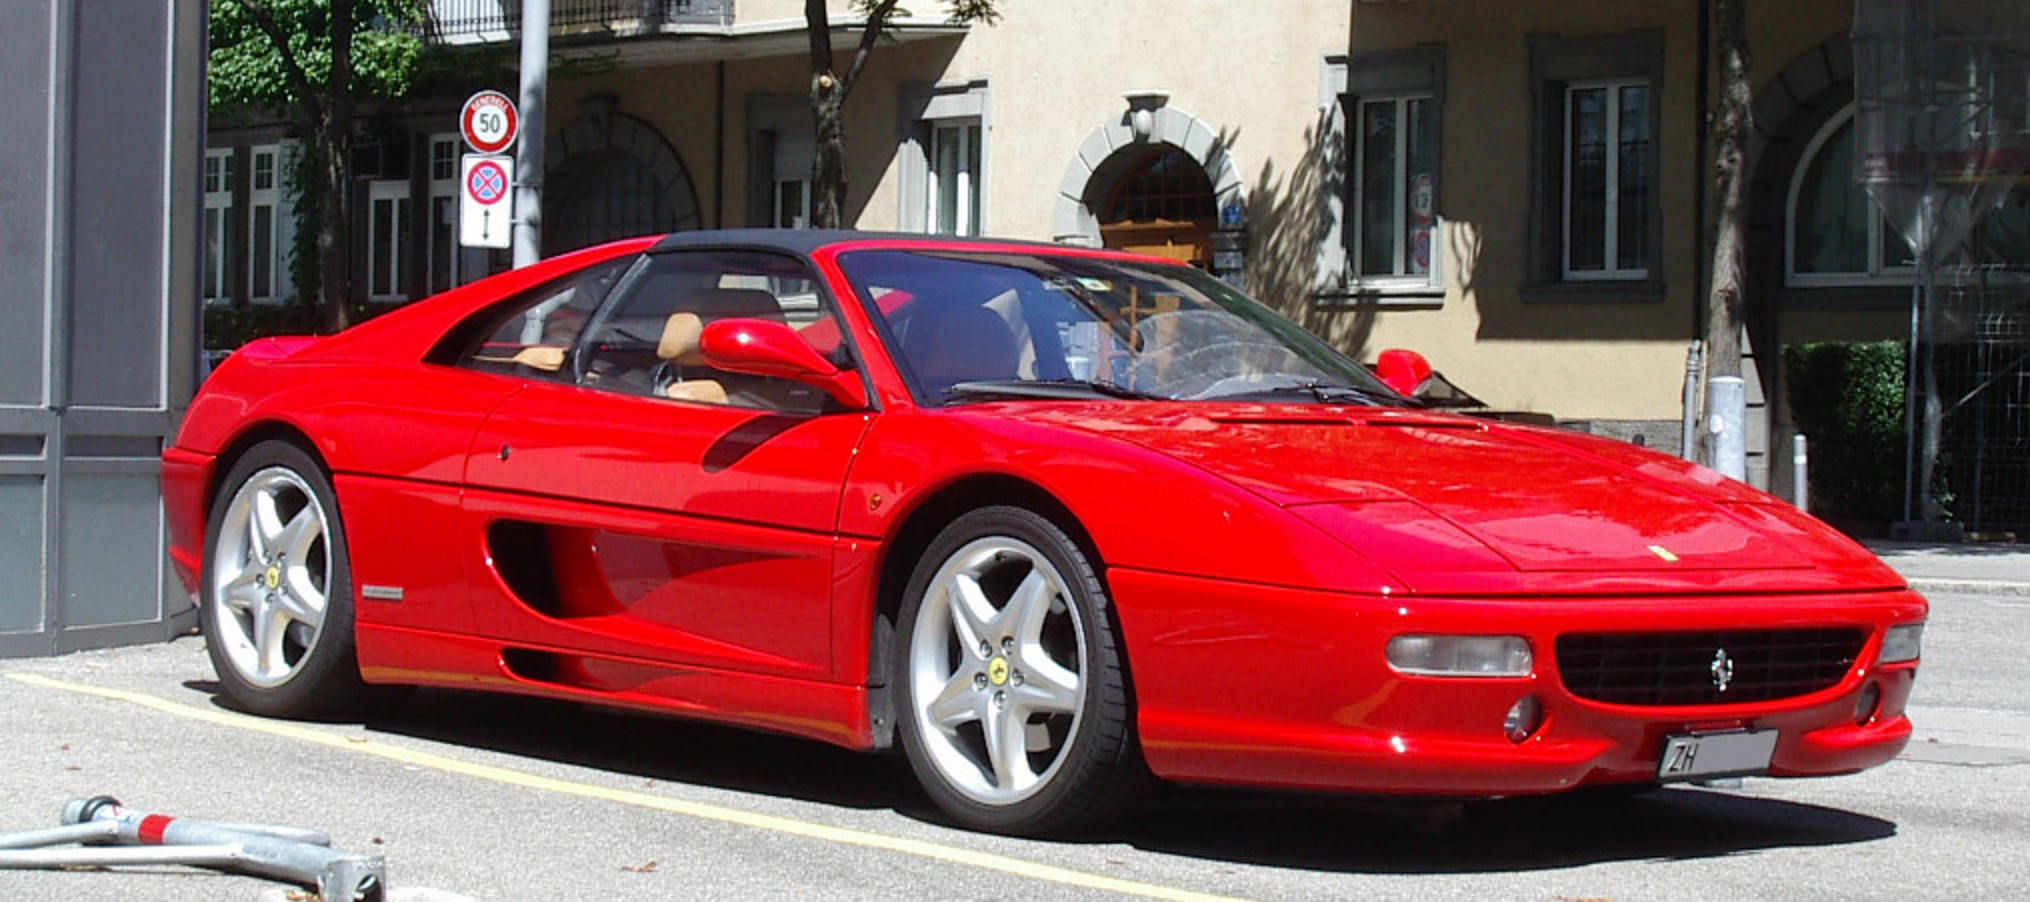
637, 526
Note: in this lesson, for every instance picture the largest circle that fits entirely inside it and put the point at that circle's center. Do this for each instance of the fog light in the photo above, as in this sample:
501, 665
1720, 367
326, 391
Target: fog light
1523, 719
1902, 642
1469, 656
1868, 705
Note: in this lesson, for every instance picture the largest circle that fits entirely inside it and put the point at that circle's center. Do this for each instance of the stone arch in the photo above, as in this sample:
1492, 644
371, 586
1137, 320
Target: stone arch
612, 176
1115, 144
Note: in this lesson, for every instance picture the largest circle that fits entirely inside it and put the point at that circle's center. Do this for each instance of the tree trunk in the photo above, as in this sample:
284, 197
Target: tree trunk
1725, 302
334, 239
828, 167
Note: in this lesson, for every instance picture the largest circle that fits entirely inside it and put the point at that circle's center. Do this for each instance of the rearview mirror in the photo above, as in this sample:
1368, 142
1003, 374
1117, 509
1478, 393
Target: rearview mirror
1404, 371
760, 347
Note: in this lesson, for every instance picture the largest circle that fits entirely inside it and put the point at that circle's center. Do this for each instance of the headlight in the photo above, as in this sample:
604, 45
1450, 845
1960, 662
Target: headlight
1902, 642
1468, 656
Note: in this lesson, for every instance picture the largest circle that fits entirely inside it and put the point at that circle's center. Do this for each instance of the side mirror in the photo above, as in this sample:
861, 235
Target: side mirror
1404, 371
762, 347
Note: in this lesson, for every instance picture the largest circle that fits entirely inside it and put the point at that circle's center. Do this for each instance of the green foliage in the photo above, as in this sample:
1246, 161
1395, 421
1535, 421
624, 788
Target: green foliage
249, 72
958, 12
1847, 398
227, 327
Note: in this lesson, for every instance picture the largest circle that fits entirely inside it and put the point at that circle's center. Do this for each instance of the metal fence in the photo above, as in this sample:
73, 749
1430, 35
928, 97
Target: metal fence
468, 18
1980, 352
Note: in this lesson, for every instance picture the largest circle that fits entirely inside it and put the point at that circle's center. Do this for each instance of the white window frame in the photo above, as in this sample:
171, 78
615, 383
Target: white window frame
395, 191
1877, 273
931, 109
1612, 270
442, 189
218, 195
271, 198
801, 218
965, 128
1397, 277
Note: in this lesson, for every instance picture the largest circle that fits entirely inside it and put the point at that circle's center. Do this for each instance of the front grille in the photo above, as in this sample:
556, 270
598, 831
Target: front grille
1666, 669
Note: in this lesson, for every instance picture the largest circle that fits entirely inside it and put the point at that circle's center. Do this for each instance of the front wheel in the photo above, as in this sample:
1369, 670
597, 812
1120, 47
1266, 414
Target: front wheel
1016, 711
277, 588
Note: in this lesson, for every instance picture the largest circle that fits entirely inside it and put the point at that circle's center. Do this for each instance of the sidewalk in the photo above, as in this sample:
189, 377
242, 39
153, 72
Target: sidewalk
1965, 569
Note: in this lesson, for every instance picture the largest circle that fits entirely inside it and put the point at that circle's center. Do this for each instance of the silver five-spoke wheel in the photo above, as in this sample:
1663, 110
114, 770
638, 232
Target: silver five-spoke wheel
273, 571
277, 587
1013, 698
994, 670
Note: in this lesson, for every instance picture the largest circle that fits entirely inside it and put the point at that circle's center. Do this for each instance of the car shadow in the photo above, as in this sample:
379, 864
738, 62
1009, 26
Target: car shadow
1287, 830
1362, 835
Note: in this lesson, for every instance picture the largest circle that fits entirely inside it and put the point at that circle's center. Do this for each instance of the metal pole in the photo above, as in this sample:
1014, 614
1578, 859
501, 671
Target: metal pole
284, 853
1695, 374
528, 236
1727, 420
1800, 463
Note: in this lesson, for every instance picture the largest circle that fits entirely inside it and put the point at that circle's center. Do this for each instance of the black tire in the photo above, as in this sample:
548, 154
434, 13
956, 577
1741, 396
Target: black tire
1091, 771
312, 669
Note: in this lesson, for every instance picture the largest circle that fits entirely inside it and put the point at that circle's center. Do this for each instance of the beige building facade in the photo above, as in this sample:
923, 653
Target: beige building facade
1518, 189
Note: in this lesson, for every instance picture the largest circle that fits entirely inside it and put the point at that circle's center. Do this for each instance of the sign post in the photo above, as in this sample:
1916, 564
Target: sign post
487, 177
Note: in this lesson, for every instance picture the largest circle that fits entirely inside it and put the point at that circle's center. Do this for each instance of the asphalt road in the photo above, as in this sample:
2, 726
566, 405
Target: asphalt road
509, 800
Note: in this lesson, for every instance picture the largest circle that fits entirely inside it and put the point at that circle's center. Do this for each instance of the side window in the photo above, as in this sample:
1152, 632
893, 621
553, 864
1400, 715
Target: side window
646, 342
532, 335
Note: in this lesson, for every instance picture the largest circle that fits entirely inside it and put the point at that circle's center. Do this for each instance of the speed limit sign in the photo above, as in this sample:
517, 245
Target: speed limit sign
489, 122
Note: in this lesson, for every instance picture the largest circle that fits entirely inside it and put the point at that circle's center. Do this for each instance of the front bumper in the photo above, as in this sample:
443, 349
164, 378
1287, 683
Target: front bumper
1255, 685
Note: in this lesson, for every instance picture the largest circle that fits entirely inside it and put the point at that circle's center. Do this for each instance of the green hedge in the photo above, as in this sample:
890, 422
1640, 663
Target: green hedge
228, 327
1847, 398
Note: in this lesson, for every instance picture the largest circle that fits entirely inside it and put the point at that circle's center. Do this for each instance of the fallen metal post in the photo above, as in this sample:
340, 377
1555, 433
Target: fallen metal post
298, 856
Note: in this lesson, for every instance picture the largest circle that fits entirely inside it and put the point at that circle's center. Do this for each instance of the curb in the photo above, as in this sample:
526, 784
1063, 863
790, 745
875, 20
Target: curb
1929, 587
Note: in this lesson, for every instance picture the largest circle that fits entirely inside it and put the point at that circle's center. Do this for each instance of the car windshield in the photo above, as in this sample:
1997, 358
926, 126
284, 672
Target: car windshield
982, 325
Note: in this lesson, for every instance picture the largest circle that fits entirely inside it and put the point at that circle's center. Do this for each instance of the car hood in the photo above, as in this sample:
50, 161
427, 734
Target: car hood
1419, 491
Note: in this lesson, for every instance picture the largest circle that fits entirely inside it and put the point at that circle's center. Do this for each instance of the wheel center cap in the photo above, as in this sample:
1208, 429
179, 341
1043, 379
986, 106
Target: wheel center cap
273, 577
997, 671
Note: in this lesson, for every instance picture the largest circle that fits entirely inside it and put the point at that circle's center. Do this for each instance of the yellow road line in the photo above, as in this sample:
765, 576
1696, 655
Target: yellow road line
985, 861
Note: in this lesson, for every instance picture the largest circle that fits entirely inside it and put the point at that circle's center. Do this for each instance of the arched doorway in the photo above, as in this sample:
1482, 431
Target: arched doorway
1143, 181
1161, 204
616, 178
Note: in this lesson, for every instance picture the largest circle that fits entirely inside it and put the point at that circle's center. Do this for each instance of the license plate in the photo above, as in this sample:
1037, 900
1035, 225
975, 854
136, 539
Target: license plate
1699, 756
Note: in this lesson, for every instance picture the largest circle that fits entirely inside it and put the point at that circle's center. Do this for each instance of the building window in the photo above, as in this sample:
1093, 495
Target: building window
1607, 150
265, 259
1595, 223
1836, 237
1381, 154
792, 203
442, 248
781, 150
387, 239
218, 223
943, 158
954, 178
1396, 178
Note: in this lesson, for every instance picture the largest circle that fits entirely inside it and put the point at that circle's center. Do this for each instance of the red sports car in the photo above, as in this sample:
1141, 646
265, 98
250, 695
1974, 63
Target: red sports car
1052, 520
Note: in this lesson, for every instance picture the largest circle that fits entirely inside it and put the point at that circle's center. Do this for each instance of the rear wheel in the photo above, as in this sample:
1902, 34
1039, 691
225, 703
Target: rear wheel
277, 588
1016, 712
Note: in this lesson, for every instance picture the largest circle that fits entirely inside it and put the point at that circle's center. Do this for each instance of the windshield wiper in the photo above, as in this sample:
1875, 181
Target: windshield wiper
1067, 389
1329, 393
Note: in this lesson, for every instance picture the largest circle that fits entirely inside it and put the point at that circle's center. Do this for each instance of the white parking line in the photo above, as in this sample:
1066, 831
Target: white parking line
986, 861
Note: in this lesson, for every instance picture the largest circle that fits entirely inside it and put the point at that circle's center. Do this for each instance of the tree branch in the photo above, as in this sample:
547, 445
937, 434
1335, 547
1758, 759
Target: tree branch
877, 21
291, 68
